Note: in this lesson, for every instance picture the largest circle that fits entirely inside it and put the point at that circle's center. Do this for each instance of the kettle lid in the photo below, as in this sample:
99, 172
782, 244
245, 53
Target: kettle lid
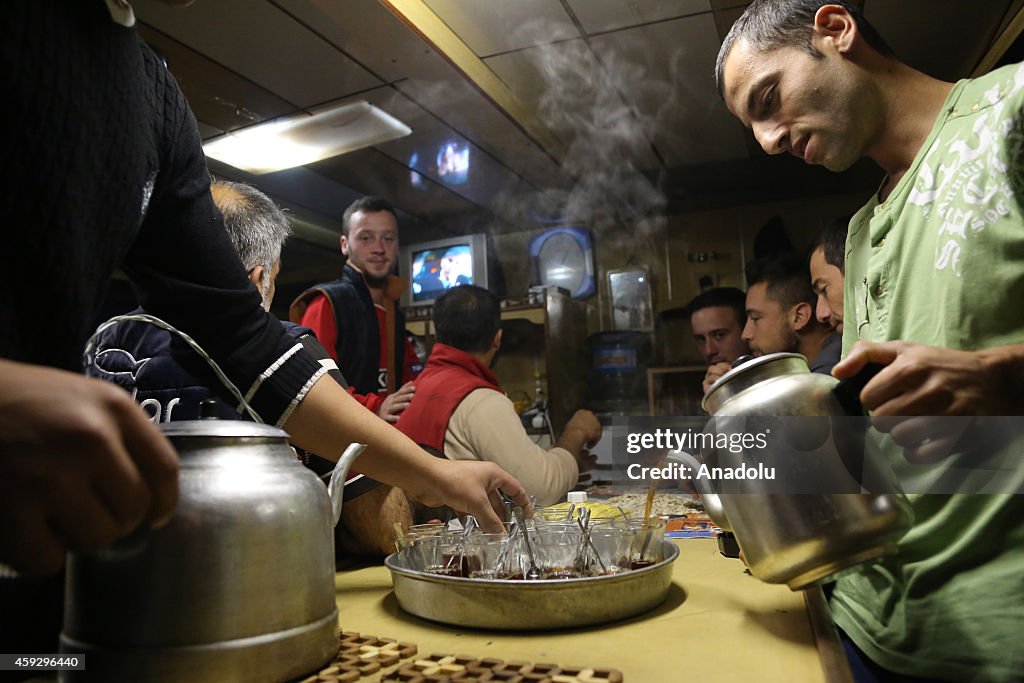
221, 428
751, 372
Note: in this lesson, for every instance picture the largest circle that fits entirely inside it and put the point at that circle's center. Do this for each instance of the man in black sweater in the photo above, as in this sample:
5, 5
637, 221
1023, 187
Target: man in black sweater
104, 168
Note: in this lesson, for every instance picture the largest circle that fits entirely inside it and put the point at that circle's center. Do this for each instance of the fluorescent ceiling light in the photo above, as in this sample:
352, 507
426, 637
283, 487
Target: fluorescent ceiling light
303, 139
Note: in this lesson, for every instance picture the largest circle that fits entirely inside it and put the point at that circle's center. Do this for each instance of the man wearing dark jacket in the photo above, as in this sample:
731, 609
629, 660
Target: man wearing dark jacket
355, 316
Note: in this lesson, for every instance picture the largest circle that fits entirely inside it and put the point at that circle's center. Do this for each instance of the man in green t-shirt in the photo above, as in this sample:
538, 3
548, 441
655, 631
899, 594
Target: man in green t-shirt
934, 281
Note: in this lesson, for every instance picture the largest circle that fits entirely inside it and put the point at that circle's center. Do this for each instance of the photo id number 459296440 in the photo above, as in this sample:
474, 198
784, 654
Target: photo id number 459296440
61, 662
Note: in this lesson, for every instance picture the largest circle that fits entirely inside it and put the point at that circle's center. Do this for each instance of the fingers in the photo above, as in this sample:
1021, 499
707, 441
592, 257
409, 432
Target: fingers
585, 461
924, 439
715, 371
863, 353
511, 487
156, 461
80, 466
396, 403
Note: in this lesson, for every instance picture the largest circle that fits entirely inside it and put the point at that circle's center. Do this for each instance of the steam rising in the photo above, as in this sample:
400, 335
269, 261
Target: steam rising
587, 104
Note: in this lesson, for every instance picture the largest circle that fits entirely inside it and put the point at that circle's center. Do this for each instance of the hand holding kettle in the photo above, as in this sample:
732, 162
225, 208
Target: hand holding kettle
787, 538
921, 386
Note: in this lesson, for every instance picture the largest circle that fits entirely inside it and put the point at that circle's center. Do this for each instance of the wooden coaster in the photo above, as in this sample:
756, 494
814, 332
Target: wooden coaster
440, 668
368, 658
362, 656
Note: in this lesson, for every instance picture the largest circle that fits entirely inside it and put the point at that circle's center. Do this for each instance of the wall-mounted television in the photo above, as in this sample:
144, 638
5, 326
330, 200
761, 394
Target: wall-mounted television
433, 267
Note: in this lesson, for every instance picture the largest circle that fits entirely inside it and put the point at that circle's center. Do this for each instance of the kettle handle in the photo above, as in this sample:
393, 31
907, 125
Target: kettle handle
711, 500
847, 392
336, 486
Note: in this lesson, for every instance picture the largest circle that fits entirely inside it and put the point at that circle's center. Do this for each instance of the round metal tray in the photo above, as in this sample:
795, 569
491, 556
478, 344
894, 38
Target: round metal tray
531, 605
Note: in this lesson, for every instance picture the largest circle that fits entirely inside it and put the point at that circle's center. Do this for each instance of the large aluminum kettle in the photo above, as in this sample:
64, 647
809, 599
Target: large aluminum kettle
801, 538
238, 586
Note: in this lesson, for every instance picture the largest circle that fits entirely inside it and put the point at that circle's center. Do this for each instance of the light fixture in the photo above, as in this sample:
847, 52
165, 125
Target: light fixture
303, 139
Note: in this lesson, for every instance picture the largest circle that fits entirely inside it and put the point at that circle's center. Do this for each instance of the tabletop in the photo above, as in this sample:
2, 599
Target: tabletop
717, 624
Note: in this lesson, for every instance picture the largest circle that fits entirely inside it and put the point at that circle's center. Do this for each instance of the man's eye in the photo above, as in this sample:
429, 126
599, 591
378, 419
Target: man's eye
768, 100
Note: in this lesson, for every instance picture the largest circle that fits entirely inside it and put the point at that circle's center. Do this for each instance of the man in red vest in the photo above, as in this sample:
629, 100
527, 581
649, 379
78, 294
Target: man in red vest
460, 410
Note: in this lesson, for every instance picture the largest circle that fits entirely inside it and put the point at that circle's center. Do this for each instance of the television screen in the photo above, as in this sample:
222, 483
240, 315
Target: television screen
433, 267
437, 269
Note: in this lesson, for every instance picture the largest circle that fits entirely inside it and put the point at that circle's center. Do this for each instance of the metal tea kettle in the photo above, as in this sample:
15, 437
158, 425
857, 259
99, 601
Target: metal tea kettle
799, 538
238, 586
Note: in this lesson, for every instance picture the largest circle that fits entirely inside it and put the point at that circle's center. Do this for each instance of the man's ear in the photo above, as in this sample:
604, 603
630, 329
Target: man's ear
256, 276
343, 241
800, 315
497, 340
833, 24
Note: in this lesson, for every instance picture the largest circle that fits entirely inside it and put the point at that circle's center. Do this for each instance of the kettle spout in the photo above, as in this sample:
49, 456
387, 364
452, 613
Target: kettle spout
712, 501
336, 487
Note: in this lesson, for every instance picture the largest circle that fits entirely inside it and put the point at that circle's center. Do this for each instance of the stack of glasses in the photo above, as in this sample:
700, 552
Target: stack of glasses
564, 548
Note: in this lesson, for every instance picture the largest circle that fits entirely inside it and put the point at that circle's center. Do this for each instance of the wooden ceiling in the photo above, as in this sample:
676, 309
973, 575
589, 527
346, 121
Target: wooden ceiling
566, 106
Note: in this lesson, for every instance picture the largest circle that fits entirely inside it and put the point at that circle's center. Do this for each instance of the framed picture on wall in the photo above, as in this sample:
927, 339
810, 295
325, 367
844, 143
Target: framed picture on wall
630, 292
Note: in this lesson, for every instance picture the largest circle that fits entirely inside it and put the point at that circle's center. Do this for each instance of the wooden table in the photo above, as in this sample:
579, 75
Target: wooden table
717, 625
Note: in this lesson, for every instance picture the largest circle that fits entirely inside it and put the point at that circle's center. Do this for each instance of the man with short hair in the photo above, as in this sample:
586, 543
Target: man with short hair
780, 314
828, 266
717, 317
933, 282
136, 355
355, 316
460, 411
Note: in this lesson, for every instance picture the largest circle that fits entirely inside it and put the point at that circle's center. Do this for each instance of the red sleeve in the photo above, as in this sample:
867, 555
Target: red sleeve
371, 402
411, 366
319, 317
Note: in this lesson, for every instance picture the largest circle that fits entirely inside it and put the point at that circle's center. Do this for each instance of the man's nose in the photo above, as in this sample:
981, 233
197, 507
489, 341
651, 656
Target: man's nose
772, 137
710, 349
748, 332
822, 311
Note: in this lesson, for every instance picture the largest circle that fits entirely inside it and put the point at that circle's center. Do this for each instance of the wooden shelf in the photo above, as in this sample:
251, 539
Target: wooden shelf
675, 390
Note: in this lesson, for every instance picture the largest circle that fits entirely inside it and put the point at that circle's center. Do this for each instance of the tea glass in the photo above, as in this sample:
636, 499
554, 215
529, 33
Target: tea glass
647, 542
614, 546
557, 552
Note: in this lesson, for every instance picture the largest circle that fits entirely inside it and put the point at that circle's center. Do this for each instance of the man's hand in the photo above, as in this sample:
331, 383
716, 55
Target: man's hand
928, 380
80, 466
586, 425
715, 370
394, 404
924, 395
472, 487
581, 432
585, 462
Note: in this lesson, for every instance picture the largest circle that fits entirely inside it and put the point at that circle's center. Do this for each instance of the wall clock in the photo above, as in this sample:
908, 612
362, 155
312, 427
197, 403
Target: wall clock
564, 257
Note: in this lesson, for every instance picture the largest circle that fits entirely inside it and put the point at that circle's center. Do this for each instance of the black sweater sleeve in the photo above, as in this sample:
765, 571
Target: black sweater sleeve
186, 270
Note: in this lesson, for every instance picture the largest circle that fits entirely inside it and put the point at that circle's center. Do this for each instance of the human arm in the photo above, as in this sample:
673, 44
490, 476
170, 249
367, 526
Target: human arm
928, 380
486, 427
581, 432
922, 388
187, 272
80, 466
328, 419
